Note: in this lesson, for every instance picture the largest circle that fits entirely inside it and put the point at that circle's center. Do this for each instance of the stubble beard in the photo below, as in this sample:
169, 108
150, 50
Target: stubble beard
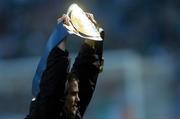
70, 114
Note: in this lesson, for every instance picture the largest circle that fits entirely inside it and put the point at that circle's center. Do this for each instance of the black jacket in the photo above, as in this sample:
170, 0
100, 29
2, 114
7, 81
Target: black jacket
50, 100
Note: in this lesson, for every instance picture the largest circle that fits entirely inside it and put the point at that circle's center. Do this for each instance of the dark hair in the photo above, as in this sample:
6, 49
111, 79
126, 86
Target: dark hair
70, 77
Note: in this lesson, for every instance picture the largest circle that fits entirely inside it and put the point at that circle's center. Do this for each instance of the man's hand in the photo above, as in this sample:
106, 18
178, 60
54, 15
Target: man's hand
91, 17
65, 19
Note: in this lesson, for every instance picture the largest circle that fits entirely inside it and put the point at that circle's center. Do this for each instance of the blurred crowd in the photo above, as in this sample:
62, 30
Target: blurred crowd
147, 26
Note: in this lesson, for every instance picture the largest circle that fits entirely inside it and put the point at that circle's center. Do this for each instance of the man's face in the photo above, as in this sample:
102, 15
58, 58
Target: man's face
72, 98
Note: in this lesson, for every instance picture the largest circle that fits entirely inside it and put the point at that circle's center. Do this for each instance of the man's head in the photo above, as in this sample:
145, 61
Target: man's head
72, 97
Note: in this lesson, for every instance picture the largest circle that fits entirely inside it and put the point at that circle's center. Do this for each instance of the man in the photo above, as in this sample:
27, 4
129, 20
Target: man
66, 94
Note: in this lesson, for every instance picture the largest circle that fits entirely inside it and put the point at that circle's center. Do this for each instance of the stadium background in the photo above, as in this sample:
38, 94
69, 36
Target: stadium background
141, 78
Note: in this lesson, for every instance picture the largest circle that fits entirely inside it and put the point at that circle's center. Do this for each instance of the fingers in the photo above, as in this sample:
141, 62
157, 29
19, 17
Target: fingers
65, 19
91, 17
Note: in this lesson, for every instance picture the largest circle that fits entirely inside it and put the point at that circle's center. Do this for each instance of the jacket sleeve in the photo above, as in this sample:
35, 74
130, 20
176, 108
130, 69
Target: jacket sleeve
57, 36
87, 68
50, 99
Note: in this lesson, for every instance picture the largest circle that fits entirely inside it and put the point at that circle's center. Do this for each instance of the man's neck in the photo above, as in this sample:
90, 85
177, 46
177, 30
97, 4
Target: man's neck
68, 115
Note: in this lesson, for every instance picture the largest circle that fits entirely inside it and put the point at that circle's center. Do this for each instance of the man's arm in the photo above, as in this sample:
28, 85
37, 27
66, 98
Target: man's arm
58, 34
50, 95
87, 67
50, 99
